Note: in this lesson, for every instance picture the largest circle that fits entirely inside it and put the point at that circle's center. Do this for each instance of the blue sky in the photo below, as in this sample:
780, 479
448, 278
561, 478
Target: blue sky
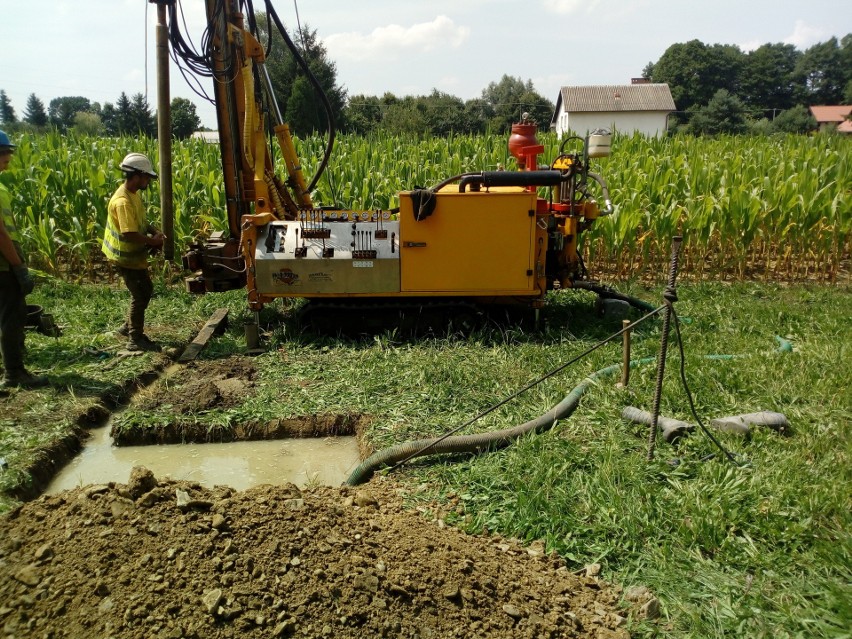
99, 48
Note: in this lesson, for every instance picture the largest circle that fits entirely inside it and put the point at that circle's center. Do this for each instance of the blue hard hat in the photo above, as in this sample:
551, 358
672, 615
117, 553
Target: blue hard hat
5, 142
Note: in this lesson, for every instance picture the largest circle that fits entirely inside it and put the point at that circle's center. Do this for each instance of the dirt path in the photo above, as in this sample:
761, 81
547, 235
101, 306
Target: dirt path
173, 560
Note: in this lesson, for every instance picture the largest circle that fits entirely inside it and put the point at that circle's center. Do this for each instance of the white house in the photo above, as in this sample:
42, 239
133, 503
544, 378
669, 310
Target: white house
211, 137
643, 107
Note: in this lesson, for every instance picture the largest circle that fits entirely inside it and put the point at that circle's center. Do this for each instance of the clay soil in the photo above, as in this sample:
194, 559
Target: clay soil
172, 559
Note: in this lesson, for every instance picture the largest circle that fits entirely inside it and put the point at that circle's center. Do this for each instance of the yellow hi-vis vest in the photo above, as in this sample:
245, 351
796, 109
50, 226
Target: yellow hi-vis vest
9, 223
125, 214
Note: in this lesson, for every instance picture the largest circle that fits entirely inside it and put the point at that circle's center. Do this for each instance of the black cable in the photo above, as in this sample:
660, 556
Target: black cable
685, 384
530, 385
317, 88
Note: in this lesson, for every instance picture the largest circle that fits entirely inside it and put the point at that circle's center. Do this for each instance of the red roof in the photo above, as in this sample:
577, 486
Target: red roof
826, 114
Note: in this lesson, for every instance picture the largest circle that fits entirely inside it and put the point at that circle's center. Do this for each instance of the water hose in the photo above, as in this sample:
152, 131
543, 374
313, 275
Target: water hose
501, 438
484, 441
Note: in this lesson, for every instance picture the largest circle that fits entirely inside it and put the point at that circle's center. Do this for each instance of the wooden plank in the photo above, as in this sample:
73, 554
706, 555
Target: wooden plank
204, 335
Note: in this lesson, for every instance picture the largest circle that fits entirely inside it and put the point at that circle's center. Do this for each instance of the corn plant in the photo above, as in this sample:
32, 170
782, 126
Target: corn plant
776, 207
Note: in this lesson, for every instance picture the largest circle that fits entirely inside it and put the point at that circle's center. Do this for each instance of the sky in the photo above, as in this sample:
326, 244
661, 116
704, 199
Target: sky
99, 48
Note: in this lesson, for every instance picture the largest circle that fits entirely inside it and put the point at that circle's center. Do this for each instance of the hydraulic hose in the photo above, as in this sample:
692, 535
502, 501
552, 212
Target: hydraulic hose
501, 438
610, 293
483, 441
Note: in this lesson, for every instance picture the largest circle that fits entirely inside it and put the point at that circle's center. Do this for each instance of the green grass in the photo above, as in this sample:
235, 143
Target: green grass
757, 550
80, 363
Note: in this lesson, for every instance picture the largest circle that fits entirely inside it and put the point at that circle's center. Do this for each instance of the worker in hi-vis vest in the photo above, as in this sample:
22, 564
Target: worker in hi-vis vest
15, 284
128, 239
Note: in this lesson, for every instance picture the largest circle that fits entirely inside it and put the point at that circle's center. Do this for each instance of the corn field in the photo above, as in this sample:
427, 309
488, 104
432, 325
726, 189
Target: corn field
767, 207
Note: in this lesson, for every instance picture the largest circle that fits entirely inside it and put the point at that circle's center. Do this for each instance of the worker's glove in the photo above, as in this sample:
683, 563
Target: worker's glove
25, 280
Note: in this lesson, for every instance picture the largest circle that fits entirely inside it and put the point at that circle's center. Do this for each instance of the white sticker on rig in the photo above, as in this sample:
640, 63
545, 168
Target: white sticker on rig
362, 263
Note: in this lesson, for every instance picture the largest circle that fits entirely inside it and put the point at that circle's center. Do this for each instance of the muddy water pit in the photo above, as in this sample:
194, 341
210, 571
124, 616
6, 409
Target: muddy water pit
299, 451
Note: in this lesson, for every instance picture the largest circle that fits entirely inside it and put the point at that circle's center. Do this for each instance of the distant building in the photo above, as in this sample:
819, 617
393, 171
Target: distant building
211, 137
827, 116
643, 107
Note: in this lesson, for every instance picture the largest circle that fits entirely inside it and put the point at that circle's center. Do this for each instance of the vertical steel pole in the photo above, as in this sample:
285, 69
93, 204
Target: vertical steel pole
625, 374
670, 296
164, 131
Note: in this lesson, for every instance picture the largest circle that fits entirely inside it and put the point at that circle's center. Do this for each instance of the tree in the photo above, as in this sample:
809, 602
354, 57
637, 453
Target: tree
296, 96
769, 80
61, 110
88, 123
510, 98
724, 113
404, 116
695, 71
185, 120
363, 114
7, 112
478, 114
122, 116
443, 113
142, 121
825, 69
795, 120
34, 112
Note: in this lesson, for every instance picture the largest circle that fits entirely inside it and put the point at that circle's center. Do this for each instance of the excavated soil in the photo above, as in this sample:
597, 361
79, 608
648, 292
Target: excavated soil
202, 385
169, 560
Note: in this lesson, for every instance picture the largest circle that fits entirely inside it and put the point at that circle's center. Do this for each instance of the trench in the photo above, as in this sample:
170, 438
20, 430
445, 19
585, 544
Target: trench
306, 451
240, 464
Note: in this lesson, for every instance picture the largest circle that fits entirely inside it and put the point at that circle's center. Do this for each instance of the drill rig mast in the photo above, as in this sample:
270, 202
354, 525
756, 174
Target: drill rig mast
473, 239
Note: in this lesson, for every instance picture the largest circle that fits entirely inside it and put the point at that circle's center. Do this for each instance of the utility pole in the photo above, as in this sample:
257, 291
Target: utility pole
164, 129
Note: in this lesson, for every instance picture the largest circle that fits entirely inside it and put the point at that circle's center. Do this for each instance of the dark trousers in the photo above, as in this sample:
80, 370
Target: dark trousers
138, 282
13, 317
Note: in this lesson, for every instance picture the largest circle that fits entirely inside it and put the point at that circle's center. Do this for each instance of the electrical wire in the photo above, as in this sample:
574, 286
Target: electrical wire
530, 385
317, 88
686, 390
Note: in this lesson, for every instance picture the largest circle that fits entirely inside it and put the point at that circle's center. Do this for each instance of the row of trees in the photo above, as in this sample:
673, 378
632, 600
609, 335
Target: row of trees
714, 83
129, 115
501, 103
716, 88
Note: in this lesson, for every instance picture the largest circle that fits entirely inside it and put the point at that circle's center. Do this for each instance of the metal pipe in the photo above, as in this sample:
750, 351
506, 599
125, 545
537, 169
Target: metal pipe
164, 133
512, 178
670, 296
270, 91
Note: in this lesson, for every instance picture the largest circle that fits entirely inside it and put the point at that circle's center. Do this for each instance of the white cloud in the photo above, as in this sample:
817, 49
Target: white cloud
566, 7
382, 42
751, 45
804, 35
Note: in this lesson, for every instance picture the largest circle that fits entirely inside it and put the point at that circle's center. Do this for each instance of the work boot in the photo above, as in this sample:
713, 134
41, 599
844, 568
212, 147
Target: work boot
143, 343
23, 379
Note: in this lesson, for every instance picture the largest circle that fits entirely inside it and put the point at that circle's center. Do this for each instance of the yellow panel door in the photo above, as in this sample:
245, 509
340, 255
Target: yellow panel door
472, 243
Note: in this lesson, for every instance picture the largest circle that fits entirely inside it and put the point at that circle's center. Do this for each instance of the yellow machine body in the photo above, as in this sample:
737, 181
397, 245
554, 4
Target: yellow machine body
478, 237
474, 243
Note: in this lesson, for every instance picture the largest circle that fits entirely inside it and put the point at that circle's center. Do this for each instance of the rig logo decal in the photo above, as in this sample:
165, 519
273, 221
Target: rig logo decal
321, 276
286, 276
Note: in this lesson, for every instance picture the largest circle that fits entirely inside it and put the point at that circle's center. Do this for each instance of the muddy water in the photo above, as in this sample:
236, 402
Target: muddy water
241, 465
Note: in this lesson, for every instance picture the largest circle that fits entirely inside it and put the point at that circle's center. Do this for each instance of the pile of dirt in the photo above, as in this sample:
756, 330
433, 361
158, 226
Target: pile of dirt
172, 559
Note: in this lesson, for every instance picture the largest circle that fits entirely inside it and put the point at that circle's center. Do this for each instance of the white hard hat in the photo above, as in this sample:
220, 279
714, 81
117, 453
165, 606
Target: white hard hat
137, 163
